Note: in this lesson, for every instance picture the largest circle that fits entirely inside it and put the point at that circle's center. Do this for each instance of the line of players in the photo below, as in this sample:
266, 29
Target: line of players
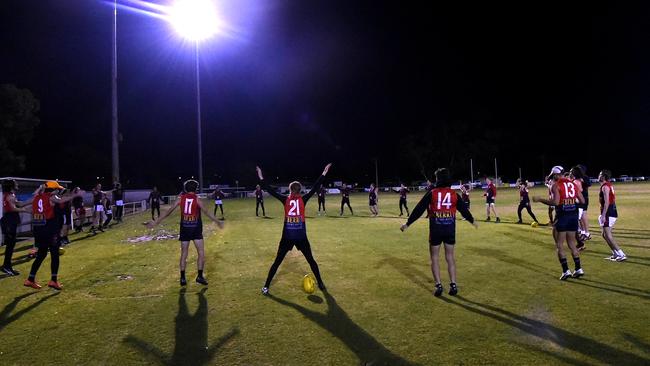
566, 196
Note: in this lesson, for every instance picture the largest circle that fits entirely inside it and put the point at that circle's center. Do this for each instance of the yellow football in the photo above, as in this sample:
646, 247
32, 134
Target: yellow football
61, 251
534, 224
308, 284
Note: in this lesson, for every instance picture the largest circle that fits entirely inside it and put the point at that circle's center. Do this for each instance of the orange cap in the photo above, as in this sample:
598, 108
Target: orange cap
53, 184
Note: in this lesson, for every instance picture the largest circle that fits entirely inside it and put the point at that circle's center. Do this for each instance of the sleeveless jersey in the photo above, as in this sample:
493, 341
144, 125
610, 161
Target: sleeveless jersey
568, 196
612, 196
402, 193
372, 196
259, 194
42, 209
442, 209
190, 212
523, 194
7, 210
294, 218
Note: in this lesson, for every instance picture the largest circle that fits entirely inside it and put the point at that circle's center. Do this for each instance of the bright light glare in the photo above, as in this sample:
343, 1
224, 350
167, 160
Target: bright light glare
195, 20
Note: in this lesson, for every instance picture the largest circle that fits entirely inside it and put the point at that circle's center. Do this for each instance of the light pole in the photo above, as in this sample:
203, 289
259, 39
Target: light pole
196, 21
198, 117
115, 152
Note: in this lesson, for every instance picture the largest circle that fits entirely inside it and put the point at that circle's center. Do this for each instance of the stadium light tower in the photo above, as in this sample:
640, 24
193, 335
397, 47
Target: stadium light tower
196, 21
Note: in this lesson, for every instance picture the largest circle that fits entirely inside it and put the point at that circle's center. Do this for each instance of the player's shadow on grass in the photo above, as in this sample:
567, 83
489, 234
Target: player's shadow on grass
336, 321
6, 316
408, 269
547, 332
504, 257
638, 343
191, 346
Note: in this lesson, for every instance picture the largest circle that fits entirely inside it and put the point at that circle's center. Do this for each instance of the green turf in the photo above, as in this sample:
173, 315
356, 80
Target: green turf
512, 308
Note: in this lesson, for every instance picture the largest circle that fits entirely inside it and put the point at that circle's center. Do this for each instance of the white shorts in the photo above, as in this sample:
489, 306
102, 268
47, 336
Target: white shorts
218, 202
611, 221
99, 208
119, 203
109, 212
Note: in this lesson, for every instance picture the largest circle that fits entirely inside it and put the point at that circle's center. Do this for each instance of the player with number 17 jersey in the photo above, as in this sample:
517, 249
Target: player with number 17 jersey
191, 227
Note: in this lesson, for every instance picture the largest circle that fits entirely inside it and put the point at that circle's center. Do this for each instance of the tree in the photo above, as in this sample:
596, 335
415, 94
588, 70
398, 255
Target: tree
449, 145
18, 109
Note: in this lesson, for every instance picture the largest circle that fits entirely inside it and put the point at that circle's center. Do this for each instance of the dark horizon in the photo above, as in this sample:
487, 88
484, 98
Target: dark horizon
302, 84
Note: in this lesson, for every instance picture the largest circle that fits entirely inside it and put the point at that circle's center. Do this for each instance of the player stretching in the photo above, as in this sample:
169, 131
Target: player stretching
191, 227
154, 201
259, 201
490, 196
608, 214
345, 198
321, 199
218, 197
403, 191
578, 173
11, 210
565, 196
294, 232
372, 200
441, 203
46, 231
524, 201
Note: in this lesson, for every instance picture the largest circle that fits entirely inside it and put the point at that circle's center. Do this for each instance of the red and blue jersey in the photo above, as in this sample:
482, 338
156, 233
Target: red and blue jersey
42, 209
190, 211
442, 208
568, 196
294, 218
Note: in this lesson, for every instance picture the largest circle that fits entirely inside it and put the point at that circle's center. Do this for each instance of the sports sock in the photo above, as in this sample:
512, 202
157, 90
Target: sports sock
54, 277
200, 273
182, 274
565, 266
620, 253
576, 260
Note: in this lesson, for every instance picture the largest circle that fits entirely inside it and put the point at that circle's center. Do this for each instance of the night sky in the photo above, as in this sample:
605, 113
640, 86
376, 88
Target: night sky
297, 84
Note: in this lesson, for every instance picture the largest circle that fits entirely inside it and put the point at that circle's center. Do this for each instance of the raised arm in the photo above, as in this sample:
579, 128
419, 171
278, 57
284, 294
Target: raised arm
66, 197
282, 198
316, 185
418, 210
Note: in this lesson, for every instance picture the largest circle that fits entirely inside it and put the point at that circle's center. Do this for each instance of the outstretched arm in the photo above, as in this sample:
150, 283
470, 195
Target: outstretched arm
266, 187
209, 214
418, 210
151, 225
316, 185
464, 211
554, 201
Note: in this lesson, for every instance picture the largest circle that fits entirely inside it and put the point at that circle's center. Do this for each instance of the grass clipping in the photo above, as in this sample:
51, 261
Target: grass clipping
161, 234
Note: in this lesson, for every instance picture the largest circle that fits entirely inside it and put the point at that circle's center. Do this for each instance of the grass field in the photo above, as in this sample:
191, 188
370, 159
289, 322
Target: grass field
511, 308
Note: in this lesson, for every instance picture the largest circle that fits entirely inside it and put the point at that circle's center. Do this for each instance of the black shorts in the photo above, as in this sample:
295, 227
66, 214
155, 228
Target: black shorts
438, 236
489, 200
188, 233
300, 244
155, 205
46, 235
566, 222
372, 203
9, 224
345, 200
